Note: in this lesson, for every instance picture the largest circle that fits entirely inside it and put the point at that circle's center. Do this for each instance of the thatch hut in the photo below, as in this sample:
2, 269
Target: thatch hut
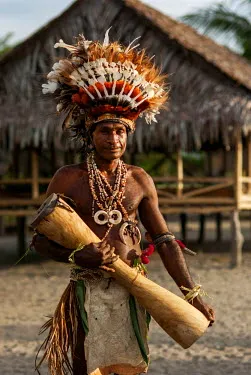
209, 106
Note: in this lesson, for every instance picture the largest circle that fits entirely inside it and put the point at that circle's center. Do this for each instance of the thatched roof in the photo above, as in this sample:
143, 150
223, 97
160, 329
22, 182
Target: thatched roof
211, 86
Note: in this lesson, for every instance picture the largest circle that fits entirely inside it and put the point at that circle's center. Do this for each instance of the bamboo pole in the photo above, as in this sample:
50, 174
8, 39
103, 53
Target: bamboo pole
35, 172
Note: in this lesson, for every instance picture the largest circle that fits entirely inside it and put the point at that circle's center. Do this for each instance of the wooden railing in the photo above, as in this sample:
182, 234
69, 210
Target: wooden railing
187, 194
195, 194
245, 200
18, 204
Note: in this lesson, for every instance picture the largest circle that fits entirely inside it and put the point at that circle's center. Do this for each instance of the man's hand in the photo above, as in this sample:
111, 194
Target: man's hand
205, 309
96, 255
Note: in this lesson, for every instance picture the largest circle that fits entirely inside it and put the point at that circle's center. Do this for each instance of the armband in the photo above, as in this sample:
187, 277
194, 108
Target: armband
163, 237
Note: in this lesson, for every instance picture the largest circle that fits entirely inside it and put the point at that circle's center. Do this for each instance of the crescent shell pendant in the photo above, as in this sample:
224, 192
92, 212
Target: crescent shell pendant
121, 232
138, 234
122, 235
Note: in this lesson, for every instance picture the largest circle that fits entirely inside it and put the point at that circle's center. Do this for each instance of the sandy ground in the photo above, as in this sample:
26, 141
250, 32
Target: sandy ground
30, 291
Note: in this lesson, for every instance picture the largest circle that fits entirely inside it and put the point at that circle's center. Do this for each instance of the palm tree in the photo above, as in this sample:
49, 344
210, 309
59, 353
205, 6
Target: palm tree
5, 43
231, 20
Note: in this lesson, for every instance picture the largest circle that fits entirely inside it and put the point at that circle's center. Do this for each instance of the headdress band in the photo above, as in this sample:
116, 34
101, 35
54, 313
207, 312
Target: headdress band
109, 117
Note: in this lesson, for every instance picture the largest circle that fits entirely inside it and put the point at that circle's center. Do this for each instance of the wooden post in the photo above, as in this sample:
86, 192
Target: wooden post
21, 235
53, 159
183, 222
218, 227
237, 237
180, 185
180, 175
35, 172
238, 169
237, 240
1, 226
202, 229
249, 161
209, 163
16, 160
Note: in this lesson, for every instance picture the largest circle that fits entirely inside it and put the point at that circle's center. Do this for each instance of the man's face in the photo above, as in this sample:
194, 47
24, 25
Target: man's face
109, 140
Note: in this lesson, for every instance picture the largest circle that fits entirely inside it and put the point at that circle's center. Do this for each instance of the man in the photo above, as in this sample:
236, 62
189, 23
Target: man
103, 89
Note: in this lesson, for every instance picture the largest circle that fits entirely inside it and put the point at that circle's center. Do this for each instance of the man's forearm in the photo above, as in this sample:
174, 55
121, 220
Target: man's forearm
50, 249
174, 261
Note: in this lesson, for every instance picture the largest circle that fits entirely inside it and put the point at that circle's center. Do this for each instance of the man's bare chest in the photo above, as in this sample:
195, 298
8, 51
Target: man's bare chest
80, 192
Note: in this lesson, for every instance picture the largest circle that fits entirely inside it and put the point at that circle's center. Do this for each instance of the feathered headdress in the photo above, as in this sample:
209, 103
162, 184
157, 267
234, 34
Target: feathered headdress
105, 82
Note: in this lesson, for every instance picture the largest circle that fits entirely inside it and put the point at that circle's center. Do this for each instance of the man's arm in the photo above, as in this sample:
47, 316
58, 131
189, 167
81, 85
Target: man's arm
41, 243
170, 252
50, 249
93, 255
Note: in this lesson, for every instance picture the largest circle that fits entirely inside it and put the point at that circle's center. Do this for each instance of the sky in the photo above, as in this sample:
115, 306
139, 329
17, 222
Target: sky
24, 17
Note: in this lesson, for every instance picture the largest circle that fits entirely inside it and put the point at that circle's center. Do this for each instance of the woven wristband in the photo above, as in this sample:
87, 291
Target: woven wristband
71, 256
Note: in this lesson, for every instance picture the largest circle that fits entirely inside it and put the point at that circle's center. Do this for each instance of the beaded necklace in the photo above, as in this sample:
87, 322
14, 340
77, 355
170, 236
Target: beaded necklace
109, 200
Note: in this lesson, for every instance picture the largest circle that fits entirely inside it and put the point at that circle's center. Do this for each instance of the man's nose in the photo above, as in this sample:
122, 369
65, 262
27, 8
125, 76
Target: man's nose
113, 137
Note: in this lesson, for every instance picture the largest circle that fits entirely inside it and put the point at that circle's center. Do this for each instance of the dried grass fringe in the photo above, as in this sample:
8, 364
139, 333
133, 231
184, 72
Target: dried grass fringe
62, 336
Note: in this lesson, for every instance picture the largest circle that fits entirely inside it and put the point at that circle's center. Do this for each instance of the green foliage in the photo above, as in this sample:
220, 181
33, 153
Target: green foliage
231, 20
194, 163
159, 164
5, 45
155, 163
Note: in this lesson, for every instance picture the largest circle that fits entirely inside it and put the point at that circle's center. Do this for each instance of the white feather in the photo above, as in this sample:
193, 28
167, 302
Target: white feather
134, 40
64, 45
49, 88
106, 40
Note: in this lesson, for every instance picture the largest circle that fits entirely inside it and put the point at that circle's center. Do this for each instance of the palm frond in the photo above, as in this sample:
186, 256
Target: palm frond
220, 20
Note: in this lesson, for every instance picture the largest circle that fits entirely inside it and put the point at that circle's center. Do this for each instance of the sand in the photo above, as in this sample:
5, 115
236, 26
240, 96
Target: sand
30, 291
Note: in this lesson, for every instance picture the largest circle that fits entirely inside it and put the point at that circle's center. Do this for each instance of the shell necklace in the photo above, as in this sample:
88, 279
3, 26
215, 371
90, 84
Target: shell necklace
109, 199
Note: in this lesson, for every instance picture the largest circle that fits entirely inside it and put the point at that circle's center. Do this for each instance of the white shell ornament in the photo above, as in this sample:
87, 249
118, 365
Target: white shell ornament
115, 217
101, 217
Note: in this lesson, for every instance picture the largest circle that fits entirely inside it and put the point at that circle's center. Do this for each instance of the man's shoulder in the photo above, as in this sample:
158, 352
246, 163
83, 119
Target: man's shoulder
71, 170
139, 174
66, 177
